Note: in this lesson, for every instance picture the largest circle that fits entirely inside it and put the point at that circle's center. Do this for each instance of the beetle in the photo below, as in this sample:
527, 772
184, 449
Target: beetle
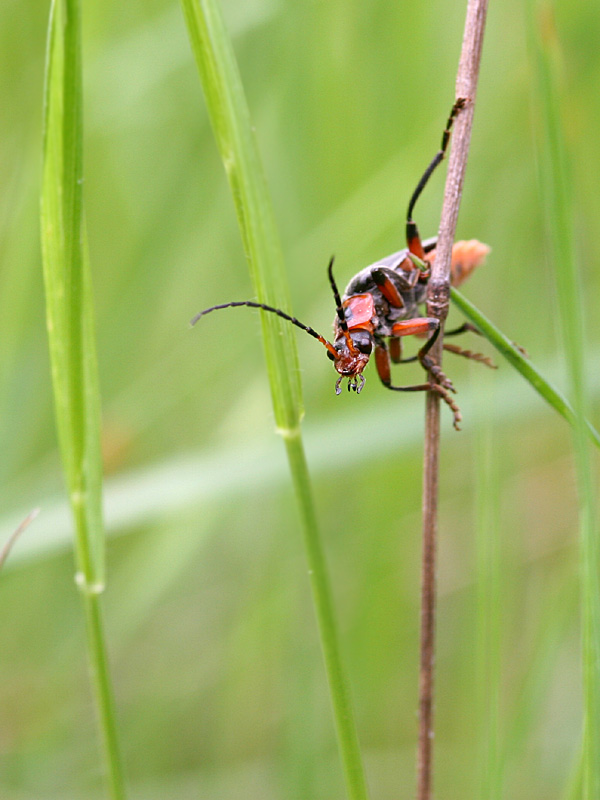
381, 303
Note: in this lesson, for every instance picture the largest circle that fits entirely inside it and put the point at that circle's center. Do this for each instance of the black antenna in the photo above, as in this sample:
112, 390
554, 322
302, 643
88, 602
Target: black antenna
338, 300
339, 308
279, 312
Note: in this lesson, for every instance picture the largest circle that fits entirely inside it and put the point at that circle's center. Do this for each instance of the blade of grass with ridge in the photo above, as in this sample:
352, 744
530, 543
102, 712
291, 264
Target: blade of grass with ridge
70, 323
555, 180
515, 357
230, 118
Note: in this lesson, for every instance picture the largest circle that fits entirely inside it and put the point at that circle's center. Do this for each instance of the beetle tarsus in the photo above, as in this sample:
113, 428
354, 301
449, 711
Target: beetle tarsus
436, 371
457, 416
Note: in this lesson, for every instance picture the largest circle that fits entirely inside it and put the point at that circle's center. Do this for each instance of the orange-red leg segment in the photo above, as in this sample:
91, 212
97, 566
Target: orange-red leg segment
395, 346
387, 288
409, 327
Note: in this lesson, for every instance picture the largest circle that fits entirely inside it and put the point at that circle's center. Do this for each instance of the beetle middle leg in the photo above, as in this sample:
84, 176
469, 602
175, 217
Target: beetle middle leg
466, 327
480, 358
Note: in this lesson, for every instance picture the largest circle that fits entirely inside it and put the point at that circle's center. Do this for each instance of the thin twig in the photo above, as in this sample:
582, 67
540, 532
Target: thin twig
8, 545
437, 306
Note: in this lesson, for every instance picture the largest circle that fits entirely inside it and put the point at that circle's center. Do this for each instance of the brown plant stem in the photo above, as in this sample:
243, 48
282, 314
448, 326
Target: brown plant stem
438, 300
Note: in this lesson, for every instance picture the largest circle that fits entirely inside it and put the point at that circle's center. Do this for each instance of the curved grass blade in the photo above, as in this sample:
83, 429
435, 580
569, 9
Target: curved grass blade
70, 321
514, 356
230, 118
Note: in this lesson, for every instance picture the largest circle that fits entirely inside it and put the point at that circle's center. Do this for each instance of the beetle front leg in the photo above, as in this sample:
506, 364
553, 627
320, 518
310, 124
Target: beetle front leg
382, 362
418, 326
395, 346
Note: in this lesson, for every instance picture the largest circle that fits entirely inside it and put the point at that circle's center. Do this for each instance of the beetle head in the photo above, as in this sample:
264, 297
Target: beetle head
353, 349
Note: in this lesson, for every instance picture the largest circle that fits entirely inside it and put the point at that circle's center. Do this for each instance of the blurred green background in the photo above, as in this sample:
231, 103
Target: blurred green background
219, 681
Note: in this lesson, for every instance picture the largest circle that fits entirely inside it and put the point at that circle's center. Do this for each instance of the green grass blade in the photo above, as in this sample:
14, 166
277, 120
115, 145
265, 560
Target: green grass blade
232, 127
515, 357
70, 322
557, 195
338, 687
574, 790
235, 138
489, 605
68, 294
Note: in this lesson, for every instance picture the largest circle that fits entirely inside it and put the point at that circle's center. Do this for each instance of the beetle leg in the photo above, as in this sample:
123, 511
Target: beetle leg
395, 346
422, 325
452, 348
382, 361
464, 328
479, 357
416, 326
447, 398
387, 288
413, 238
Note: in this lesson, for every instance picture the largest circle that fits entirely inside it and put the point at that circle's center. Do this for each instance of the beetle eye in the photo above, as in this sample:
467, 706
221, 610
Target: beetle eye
330, 355
363, 342
365, 347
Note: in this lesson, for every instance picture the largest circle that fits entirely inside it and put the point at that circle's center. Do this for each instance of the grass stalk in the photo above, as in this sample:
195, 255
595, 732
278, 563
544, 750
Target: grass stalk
338, 687
489, 604
556, 185
70, 322
230, 118
438, 298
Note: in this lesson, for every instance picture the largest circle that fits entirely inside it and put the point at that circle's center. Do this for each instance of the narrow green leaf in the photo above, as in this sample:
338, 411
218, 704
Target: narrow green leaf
70, 322
69, 310
514, 356
230, 118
